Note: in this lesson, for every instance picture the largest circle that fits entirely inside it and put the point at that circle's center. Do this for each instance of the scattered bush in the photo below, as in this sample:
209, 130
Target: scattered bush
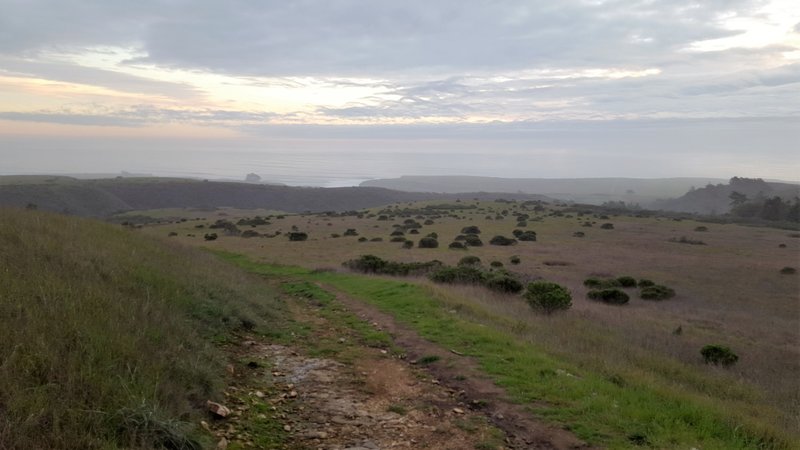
397, 233
375, 264
685, 240
597, 283
457, 246
433, 235
504, 283
408, 244
515, 260
788, 270
701, 228
336, 235
297, 236
718, 354
473, 240
397, 239
548, 297
626, 281
578, 234
644, 282
496, 264
210, 236
522, 223
656, 292
458, 274
502, 240
376, 239
362, 239
460, 237
413, 231
607, 226
172, 233
250, 234
469, 261
611, 296
472, 229
528, 236
428, 222
428, 242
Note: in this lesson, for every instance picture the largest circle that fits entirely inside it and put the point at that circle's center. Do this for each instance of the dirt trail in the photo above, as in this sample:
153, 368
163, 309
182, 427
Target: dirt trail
281, 397
462, 375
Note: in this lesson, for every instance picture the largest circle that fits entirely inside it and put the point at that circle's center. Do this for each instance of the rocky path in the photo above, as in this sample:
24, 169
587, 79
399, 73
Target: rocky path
360, 397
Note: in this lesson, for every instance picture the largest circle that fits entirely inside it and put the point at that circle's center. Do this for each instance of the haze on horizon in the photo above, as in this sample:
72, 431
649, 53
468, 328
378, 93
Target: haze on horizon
539, 89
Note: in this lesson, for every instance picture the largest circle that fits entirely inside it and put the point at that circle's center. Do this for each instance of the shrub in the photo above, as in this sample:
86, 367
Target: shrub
428, 222
469, 261
459, 274
701, 228
336, 235
250, 233
718, 354
607, 226
362, 239
578, 234
496, 264
397, 239
413, 231
397, 233
598, 283
612, 296
502, 240
297, 236
472, 229
528, 236
644, 282
522, 223
376, 239
505, 283
626, 281
433, 235
515, 260
172, 233
685, 240
548, 297
788, 270
656, 292
457, 246
460, 237
351, 232
210, 236
408, 244
473, 240
428, 242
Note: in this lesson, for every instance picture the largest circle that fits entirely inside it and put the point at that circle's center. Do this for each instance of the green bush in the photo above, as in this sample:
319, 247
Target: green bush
472, 229
505, 283
788, 270
473, 240
502, 240
297, 236
362, 239
408, 244
428, 242
597, 283
377, 265
527, 236
210, 236
607, 226
496, 264
626, 281
611, 296
718, 354
548, 297
656, 292
644, 282
578, 234
469, 261
459, 274
515, 260
397, 233
457, 246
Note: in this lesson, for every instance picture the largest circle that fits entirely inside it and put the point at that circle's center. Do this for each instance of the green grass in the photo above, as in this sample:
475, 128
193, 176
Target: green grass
107, 335
605, 410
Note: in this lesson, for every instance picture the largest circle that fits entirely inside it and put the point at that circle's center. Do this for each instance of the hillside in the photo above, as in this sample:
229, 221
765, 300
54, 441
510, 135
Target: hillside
109, 346
104, 197
716, 198
581, 190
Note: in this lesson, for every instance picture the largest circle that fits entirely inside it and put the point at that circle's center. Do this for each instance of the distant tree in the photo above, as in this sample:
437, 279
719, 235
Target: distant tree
737, 198
252, 178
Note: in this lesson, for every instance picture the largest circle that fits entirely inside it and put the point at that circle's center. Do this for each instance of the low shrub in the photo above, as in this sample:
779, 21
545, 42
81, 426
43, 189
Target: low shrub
527, 236
626, 281
578, 234
644, 282
607, 226
210, 236
397, 239
413, 231
473, 240
685, 240
548, 297
336, 235
701, 228
250, 234
496, 264
598, 283
515, 260
457, 246
297, 236
502, 240
397, 233
656, 292
362, 239
719, 355
472, 229
376, 239
505, 283
428, 242
788, 270
377, 265
611, 296
469, 261
408, 244
458, 274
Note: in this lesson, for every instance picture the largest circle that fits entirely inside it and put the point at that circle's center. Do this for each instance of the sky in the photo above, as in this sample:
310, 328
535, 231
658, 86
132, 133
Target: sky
573, 88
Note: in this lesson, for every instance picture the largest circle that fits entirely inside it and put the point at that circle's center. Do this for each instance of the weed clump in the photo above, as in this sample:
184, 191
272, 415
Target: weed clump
657, 292
719, 355
610, 296
548, 297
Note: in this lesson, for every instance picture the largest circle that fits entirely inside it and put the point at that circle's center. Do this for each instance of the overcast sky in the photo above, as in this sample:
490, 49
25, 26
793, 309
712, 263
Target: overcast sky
637, 88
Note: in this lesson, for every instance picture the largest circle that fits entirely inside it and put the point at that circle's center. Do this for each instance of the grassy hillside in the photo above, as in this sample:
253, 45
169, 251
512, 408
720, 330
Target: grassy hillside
106, 336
